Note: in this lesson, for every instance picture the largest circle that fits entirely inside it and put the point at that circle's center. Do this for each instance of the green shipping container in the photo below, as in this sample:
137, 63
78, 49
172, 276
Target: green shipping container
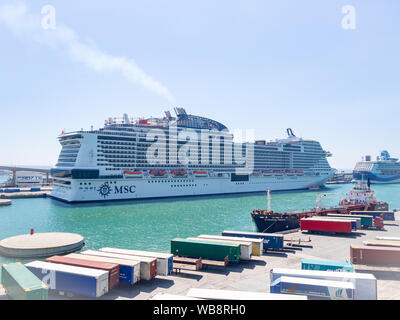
366, 221
206, 249
21, 284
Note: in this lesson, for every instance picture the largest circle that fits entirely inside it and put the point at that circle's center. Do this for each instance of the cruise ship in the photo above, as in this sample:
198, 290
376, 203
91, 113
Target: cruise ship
384, 170
182, 155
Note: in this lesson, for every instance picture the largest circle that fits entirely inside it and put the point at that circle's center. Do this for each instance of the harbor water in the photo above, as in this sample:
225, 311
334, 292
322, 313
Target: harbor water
151, 224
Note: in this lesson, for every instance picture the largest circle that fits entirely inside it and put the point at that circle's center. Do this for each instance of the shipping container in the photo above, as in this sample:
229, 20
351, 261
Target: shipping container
347, 217
354, 223
385, 215
111, 268
205, 249
214, 294
257, 244
168, 296
21, 284
388, 238
325, 225
129, 270
164, 260
148, 266
382, 243
375, 255
366, 221
270, 240
323, 265
245, 248
314, 288
365, 283
70, 279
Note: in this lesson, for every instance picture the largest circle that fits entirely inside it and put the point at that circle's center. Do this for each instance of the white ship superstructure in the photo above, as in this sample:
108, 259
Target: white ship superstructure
382, 171
184, 155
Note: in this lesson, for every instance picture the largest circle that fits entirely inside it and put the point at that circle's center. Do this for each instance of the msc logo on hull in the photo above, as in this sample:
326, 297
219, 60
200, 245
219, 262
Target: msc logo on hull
105, 190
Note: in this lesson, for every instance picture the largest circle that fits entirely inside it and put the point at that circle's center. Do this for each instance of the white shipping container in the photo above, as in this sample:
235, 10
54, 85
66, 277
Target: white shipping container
132, 263
214, 294
365, 283
164, 260
167, 296
147, 265
314, 288
70, 278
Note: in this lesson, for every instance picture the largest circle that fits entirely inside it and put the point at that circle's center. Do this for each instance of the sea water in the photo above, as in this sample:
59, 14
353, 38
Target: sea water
151, 224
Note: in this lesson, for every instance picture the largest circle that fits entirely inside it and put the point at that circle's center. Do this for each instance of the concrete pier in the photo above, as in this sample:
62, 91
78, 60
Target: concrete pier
5, 202
41, 245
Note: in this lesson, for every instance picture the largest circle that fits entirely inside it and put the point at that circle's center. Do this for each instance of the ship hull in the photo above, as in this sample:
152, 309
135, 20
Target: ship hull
149, 188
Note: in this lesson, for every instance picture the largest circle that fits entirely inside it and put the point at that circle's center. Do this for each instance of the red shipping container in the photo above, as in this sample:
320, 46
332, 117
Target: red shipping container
375, 255
112, 268
325, 225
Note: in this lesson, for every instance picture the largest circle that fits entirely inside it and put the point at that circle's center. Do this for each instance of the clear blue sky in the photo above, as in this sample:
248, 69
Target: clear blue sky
262, 65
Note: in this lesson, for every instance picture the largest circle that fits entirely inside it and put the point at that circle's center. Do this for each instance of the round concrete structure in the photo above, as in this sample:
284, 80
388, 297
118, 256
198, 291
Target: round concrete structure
5, 202
40, 245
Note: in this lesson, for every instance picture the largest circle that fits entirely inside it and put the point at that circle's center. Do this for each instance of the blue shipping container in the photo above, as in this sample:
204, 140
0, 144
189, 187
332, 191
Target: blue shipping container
385, 215
314, 288
322, 265
71, 279
270, 240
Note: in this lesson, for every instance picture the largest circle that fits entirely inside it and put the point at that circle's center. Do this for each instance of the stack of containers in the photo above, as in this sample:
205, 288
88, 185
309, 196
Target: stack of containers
111, 268
76, 280
164, 260
21, 284
245, 247
129, 270
148, 266
270, 240
206, 249
257, 244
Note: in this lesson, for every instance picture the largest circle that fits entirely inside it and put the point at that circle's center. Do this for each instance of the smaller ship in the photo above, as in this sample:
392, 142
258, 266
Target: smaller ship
360, 198
384, 170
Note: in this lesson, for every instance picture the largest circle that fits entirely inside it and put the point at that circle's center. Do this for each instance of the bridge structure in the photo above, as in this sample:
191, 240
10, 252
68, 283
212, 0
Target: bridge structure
14, 171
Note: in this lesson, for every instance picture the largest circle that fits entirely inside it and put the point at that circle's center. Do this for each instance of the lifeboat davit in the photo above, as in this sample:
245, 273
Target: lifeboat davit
200, 173
158, 173
178, 173
133, 174
267, 173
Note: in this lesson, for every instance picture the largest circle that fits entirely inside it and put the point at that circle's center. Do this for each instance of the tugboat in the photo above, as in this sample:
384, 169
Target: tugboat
360, 198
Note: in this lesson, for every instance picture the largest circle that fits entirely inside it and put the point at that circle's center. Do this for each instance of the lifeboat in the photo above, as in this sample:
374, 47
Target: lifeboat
178, 173
299, 172
290, 172
157, 173
200, 173
267, 173
133, 174
278, 173
255, 174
